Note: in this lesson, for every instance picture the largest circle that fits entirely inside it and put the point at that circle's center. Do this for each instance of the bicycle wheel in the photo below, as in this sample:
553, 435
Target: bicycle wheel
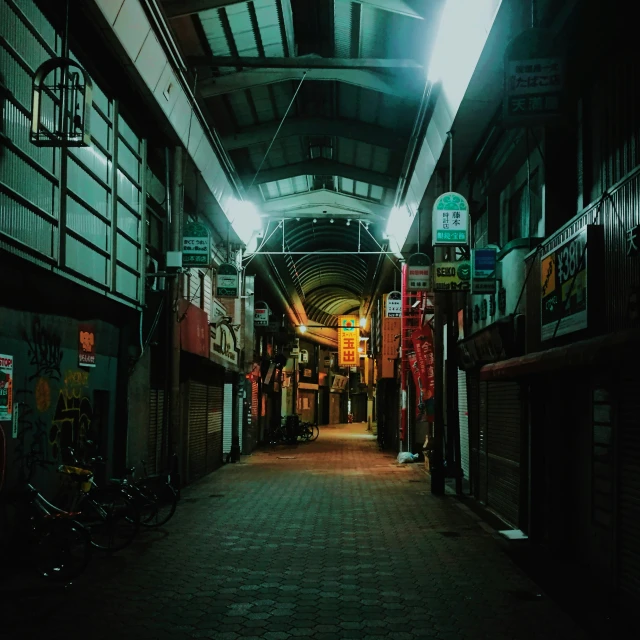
112, 518
161, 501
315, 432
62, 549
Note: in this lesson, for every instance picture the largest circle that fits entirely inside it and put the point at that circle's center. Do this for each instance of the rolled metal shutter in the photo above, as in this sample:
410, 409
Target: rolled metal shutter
227, 418
463, 421
483, 467
154, 439
504, 426
473, 404
197, 430
629, 493
240, 401
214, 427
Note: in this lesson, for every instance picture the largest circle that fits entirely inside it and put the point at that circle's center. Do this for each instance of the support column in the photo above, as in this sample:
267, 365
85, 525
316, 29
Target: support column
436, 461
175, 240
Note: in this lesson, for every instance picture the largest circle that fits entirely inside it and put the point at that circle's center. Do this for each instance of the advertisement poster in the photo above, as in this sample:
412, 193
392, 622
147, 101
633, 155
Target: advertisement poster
86, 345
422, 340
348, 341
6, 387
563, 276
453, 276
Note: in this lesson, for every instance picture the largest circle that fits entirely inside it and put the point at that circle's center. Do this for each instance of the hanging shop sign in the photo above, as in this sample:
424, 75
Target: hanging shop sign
86, 345
339, 382
304, 356
196, 245
563, 273
327, 362
483, 270
227, 281
6, 387
534, 79
450, 220
223, 343
452, 276
419, 272
633, 241
261, 314
422, 340
348, 341
393, 305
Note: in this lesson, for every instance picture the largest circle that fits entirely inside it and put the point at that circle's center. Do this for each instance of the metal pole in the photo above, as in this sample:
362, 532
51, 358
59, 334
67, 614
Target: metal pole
450, 136
436, 459
175, 441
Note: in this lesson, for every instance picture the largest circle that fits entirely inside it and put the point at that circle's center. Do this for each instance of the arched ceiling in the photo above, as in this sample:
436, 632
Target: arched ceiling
315, 102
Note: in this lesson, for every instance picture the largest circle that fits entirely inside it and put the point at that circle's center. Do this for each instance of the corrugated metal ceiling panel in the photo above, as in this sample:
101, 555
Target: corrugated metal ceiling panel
214, 32
342, 18
288, 187
242, 30
284, 152
269, 24
239, 104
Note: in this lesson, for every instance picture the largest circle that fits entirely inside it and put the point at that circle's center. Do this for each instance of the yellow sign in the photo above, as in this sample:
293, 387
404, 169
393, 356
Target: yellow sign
453, 276
348, 341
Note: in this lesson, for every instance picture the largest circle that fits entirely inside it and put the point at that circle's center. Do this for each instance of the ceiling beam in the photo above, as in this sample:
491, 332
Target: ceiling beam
358, 77
323, 167
394, 6
178, 8
302, 62
339, 127
315, 202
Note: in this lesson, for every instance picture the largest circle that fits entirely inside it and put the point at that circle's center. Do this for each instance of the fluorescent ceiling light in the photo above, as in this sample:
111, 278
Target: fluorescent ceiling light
398, 226
245, 219
462, 34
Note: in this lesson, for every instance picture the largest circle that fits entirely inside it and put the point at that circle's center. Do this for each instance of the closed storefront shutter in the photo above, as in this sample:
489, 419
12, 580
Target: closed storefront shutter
214, 427
241, 413
483, 467
629, 492
227, 418
155, 441
473, 404
463, 411
197, 430
504, 425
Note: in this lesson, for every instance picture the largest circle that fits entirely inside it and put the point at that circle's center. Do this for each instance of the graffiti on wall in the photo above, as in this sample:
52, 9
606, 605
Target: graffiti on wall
45, 351
73, 415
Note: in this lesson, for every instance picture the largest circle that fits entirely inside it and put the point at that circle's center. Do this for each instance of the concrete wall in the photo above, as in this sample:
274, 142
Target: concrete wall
60, 403
138, 409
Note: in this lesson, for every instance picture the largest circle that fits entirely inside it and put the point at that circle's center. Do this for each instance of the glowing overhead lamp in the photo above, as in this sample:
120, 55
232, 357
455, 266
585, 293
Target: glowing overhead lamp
398, 226
363, 322
462, 34
302, 328
245, 219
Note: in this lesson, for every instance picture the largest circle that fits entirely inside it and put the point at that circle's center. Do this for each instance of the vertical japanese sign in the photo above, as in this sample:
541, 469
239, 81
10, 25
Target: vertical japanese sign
419, 272
261, 314
196, 245
86, 345
534, 79
422, 340
227, 281
6, 387
348, 341
393, 305
450, 220
563, 276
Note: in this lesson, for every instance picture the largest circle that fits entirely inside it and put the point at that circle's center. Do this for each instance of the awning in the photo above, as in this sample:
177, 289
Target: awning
585, 353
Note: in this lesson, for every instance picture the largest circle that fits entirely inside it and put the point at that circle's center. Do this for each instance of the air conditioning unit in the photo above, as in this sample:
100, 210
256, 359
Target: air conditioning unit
155, 284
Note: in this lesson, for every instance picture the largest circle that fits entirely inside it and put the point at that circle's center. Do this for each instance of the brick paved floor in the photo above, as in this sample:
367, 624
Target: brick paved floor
326, 540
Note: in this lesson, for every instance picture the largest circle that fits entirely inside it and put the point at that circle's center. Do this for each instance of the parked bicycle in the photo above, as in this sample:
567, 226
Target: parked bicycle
109, 513
53, 541
292, 430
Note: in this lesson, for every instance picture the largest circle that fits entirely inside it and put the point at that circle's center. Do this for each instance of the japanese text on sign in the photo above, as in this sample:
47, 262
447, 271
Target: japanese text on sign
6, 387
348, 341
450, 220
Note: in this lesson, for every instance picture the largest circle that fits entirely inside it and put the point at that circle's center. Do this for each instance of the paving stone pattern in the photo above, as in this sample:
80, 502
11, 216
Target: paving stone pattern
326, 540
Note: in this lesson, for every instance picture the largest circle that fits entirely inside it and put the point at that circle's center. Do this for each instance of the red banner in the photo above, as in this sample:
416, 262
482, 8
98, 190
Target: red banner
422, 340
194, 329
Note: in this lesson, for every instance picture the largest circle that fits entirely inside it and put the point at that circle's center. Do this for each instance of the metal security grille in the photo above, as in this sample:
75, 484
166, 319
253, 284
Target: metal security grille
80, 210
241, 413
227, 418
504, 425
214, 427
473, 403
197, 451
155, 440
463, 418
483, 466
629, 492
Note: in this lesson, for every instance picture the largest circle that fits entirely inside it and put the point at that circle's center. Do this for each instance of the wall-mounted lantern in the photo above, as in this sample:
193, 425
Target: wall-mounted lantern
61, 105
